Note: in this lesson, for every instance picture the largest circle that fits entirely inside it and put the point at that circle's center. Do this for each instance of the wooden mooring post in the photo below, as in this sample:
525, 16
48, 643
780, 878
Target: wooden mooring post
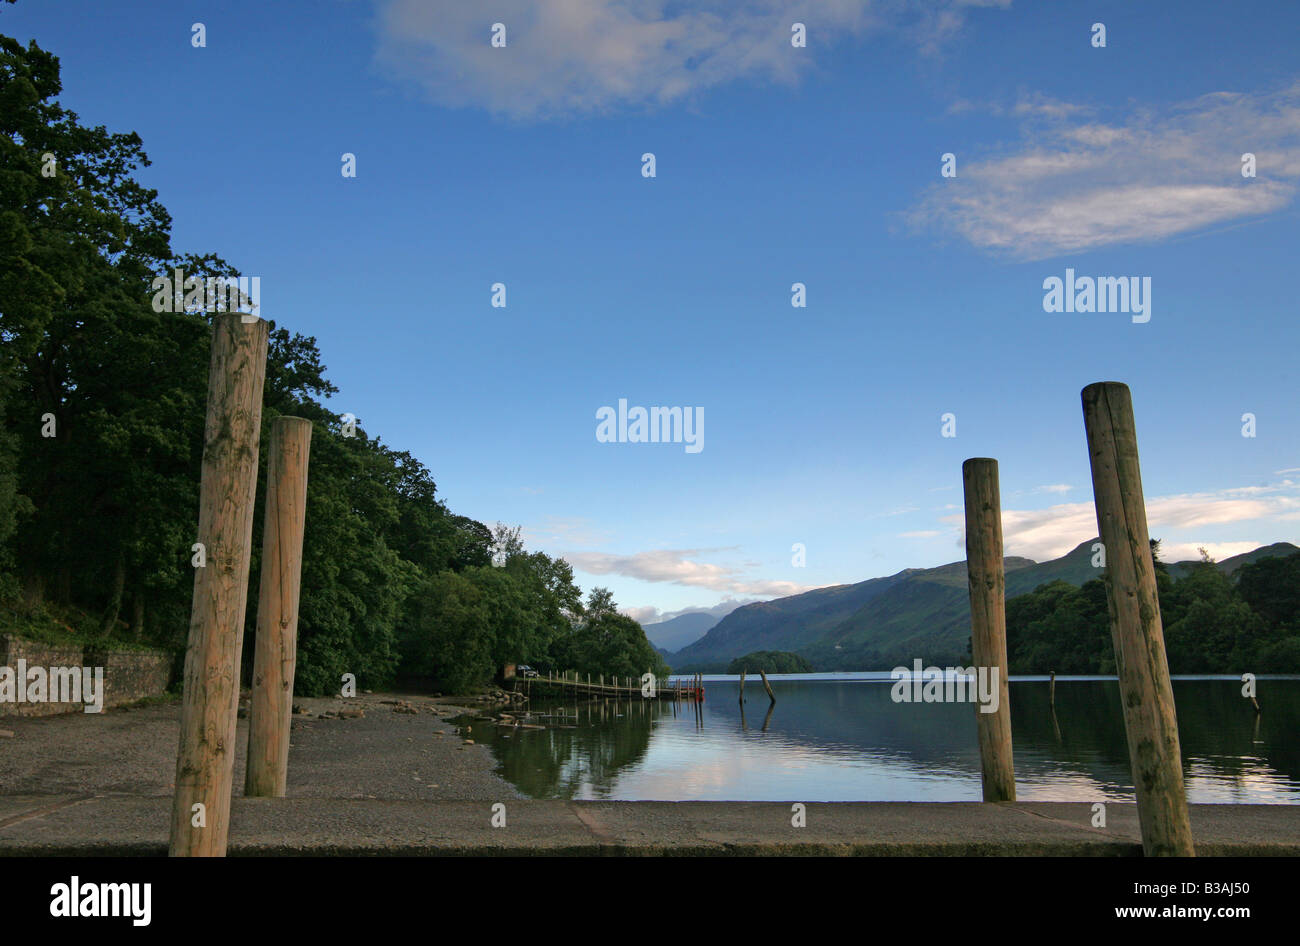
270, 710
987, 584
742, 687
768, 687
205, 761
1051, 691
1150, 720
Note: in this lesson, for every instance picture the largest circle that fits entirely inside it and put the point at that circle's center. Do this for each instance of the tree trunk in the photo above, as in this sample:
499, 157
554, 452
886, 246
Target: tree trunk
33, 588
137, 614
114, 606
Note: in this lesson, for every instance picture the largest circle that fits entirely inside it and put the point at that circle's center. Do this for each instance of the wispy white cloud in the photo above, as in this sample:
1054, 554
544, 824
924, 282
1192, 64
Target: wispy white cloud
1043, 534
1075, 183
1034, 105
564, 530
1191, 551
648, 614
681, 567
898, 511
564, 57
1055, 488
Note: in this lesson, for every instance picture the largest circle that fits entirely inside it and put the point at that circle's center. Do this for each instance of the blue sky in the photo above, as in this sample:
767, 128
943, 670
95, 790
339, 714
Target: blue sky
775, 165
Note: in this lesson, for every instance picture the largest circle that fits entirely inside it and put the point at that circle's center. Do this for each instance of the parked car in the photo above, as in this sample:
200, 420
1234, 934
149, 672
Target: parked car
523, 670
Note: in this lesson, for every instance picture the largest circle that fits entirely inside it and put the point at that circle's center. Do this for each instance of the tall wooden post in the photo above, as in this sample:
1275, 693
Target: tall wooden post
206, 760
276, 646
1137, 635
766, 686
987, 584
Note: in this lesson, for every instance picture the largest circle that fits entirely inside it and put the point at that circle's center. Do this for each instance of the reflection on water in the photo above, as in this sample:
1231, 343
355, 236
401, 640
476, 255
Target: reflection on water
839, 737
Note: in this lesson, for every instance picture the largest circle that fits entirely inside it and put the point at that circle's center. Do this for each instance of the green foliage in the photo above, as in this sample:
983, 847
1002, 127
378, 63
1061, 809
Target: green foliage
1060, 627
604, 641
770, 661
447, 633
1212, 623
102, 515
1271, 587
14, 507
49, 624
460, 629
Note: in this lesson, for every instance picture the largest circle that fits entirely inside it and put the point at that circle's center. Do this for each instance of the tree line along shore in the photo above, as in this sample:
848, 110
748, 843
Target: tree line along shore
102, 400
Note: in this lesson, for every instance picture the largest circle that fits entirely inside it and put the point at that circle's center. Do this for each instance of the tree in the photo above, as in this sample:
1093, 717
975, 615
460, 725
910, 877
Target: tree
448, 637
600, 601
506, 543
604, 641
1271, 587
79, 239
770, 661
1211, 625
108, 504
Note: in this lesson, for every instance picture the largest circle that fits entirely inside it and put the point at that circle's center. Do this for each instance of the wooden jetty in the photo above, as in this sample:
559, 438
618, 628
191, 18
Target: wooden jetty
572, 683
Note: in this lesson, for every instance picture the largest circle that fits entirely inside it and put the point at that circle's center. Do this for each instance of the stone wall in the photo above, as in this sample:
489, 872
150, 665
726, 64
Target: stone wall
129, 675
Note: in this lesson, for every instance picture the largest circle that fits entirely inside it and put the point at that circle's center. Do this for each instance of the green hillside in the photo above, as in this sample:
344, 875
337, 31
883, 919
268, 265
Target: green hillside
1229, 566
882, 622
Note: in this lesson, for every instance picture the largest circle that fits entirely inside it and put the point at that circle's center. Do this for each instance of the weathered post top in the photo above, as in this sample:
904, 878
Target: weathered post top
206, 758
987, 584
1147, 696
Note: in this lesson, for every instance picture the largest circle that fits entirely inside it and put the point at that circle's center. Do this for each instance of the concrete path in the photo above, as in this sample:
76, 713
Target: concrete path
89, 825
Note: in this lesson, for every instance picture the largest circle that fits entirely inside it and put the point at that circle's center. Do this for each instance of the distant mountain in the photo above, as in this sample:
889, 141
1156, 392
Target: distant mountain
678, 632
882, 622
1230, 565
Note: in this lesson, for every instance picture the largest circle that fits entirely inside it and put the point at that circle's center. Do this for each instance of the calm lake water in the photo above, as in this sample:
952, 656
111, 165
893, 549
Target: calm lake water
839, 737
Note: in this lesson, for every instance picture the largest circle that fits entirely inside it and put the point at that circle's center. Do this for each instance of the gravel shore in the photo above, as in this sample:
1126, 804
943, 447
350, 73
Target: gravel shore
400, 747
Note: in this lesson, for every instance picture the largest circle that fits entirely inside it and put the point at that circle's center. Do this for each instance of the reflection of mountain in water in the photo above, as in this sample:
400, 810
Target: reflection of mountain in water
1228, 754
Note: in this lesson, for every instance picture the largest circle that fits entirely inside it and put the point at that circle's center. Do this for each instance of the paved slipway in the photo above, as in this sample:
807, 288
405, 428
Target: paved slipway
399, 780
